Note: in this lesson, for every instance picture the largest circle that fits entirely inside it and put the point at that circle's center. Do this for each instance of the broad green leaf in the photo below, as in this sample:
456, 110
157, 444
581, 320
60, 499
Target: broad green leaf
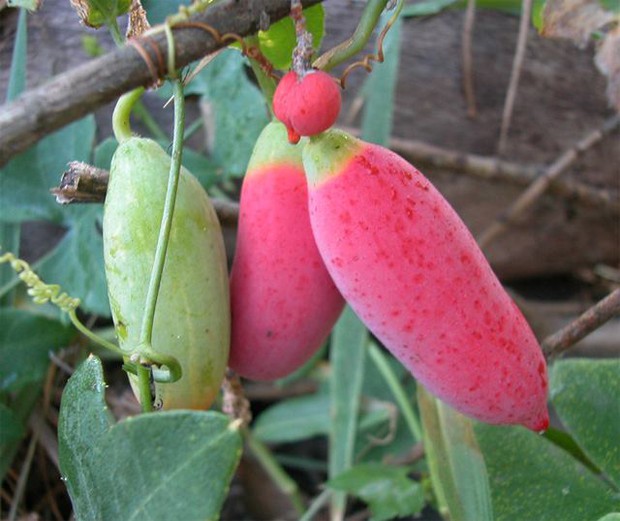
158, 466
388, 491
294, 419
26, 341
565, 441
611, 5
76, 264
586, 396
380, 87
458, 470
31, 5
11, 428
427, 8
26, 180
538, 7
348, 357
614, 516
238, 109
104, 151
96, 13
10, 233
302, 417
203, 168
17, 75
22, 403
157, 10
278, 42
533, 479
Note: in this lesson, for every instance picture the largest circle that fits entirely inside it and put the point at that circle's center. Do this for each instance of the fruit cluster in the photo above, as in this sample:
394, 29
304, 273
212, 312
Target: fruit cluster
366, 222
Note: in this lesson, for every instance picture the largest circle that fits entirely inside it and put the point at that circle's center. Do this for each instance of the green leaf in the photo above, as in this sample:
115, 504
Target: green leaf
611, 5
31, 5
586, 396
427, 8
614, 516
26, 180
388, 491
278, 42
538, 7
25, 343
303, 417
99, 12
348, 357
458, 470
379, 90
76, 264
238, 109
157, 11
11, 428
10, 233
158, 466
294, 419
533, 479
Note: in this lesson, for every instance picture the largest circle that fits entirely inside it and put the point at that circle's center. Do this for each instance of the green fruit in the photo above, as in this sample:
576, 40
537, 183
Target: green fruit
192, 317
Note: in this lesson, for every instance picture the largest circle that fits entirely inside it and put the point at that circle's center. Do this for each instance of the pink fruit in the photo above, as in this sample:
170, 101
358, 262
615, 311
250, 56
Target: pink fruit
307, 105
413, 273
283, 301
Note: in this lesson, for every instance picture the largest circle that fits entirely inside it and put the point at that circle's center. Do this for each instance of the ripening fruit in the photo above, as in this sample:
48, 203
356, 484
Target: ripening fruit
192, 317
415, 276
308, 105
283, 301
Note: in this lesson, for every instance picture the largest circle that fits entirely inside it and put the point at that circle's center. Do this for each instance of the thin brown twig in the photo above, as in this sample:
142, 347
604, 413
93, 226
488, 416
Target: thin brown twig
588, 322
517, 65
467, 57
540, 185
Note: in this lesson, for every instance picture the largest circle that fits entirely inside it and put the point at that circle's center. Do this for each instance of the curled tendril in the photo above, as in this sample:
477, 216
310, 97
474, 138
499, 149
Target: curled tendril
165, 368
378, 57
37, 289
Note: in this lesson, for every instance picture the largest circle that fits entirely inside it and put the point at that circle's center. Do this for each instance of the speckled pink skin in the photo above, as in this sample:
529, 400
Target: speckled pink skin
284, 303
414, 274
307, 106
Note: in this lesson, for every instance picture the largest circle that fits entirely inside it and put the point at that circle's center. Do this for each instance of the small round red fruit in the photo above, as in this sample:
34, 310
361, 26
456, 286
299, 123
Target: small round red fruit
307, 105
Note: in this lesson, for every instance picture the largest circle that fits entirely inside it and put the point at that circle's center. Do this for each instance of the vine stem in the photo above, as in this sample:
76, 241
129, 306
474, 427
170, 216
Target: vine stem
121, 124
146, 333
354, 44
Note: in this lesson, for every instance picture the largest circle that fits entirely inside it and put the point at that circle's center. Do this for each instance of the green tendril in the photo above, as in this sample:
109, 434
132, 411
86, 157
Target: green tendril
42, 293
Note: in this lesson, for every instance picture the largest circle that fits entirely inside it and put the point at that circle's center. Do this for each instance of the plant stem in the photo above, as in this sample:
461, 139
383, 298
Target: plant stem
395, 386
149, 122
266, 83
319, 502
144, 384
354, 44
146, 332
284, 482
93, 336
121, 124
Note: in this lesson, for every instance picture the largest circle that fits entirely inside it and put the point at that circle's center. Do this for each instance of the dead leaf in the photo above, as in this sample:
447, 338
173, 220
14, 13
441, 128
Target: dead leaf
574, 19
138, 23
608, 61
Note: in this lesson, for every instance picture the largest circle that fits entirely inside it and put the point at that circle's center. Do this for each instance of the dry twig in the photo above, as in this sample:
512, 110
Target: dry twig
468, 72
588, 322
540, 185
517, 65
